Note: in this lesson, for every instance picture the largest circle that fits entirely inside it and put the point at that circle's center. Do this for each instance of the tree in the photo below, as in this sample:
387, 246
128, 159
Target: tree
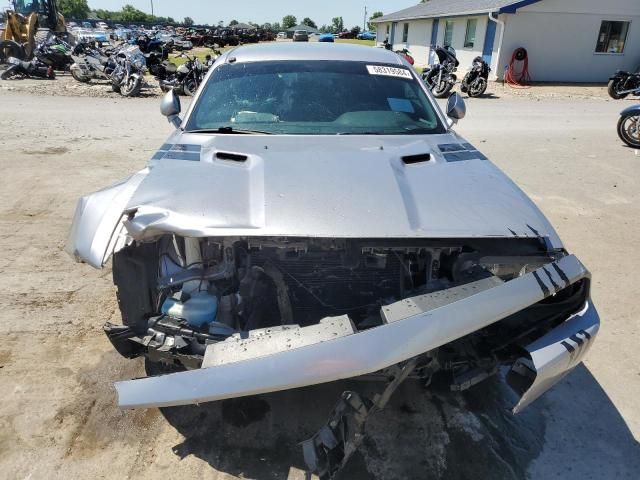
275, 27
233, 22
338, 24
289, 21
267, 27
355, 30
102, 14
188, 21
131, 14
372, 26
309, 23
74, 8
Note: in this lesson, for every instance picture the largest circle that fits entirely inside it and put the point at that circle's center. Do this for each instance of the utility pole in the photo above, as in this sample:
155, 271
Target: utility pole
364, 23
152, 8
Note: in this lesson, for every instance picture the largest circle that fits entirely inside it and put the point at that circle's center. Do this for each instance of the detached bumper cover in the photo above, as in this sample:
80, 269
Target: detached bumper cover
419, 331
554, 355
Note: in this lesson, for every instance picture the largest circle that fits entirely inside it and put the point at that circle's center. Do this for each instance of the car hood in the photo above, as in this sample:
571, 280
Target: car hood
330, 186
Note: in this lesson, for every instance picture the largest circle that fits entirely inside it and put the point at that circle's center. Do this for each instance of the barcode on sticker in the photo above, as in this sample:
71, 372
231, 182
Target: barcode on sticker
389, 71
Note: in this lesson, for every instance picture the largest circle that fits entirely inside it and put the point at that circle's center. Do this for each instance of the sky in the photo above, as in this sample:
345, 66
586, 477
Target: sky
260, 11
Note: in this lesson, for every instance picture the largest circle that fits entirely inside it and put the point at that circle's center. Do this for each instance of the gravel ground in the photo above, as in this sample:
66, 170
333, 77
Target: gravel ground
58, 414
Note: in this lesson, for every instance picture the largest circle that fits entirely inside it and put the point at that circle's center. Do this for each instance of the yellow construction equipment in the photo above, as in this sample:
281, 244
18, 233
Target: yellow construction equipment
30, 22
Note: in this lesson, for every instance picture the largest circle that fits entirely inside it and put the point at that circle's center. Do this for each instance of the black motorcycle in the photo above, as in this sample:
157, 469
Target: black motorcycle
476, 80
31, 69
629, 126
441, 78
623, 83
55, 53
186, 78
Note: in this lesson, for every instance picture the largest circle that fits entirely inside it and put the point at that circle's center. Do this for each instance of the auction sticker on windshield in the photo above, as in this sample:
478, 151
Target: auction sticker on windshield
389, 71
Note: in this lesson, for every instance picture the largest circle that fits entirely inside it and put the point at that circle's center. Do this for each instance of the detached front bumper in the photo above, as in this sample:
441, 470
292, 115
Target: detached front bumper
414, 326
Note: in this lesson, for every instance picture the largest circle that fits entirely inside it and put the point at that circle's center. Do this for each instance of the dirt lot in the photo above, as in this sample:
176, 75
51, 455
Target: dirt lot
58, 417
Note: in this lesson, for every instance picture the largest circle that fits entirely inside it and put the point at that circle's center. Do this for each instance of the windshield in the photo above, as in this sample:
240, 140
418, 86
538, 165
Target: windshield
314, 98
25, 7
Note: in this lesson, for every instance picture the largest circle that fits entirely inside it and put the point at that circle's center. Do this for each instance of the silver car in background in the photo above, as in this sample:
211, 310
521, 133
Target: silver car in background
300, 36
314, 217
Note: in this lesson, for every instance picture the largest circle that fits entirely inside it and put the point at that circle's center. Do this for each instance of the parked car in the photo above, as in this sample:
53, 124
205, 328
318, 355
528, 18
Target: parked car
281, 35
335, 227
300, 36
346, 34
102, 25
326, 37
367, 36
87, 25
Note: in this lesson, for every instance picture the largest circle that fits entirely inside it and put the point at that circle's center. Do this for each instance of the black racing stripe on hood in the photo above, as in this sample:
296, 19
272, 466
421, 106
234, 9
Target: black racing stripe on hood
463, 156
181, 147
179, 151
192, 156
451, 147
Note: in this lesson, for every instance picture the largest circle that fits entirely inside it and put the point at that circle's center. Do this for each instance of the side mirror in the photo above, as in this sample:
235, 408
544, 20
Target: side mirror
170, 108
456, 109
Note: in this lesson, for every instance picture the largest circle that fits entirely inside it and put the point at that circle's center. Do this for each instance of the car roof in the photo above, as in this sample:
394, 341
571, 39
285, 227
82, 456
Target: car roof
312, 51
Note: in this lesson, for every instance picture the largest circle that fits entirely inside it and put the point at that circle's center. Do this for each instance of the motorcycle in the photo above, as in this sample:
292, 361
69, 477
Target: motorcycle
32, 69
629, 126
55, 53
406, 54
128, 73
52, 54
187, 77
475, 81
623, 83
90, 62
441, 78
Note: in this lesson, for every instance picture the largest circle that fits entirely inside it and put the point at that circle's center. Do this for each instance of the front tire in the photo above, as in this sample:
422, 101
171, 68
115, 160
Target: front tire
613, 88
76, 73
442, 89
477, 87
629, 130
132, 87
190, 87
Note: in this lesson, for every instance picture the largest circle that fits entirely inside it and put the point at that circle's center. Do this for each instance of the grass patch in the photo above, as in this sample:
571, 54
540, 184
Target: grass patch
199, 52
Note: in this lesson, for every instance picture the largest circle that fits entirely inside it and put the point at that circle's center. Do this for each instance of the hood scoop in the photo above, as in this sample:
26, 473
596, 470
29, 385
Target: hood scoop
231, 157
419, 158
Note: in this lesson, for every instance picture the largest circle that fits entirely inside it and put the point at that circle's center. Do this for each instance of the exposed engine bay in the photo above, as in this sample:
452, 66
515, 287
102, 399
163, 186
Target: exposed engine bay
178, 295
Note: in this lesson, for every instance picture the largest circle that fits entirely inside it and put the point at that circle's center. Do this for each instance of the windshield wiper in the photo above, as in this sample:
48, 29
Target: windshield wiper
229, 130
360, 133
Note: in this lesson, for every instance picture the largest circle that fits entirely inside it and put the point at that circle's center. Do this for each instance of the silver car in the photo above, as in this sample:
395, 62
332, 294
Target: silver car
300, 36
315, 217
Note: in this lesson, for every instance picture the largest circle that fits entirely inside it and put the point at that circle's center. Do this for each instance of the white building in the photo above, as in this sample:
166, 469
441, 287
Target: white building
566, 40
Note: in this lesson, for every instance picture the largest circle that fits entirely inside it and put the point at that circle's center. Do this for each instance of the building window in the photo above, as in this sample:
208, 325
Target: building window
405, 33
448, 33
470, 36
612, 37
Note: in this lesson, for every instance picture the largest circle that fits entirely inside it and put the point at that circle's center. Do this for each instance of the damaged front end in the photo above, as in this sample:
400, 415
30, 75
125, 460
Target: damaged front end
240, 311
246, 316
317, 310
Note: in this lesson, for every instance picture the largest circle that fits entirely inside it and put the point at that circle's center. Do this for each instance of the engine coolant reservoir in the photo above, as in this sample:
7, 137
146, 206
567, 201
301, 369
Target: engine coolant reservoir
198, 311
